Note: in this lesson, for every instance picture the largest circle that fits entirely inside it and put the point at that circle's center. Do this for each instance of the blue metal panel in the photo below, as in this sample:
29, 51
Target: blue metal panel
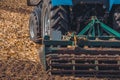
112, 2
116, 1
61, 2
69, 2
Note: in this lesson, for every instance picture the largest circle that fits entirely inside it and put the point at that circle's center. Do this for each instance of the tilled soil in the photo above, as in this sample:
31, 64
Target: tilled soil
18, 55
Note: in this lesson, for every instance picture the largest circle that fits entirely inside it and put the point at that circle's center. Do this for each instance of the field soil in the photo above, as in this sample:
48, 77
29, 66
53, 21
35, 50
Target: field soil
19, 59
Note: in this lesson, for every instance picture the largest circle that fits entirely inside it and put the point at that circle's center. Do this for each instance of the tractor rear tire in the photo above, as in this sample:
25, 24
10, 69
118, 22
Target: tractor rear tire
116, 19
35, 25
54, 19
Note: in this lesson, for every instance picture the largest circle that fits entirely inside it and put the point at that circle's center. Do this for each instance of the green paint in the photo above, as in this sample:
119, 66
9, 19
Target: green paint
97, 30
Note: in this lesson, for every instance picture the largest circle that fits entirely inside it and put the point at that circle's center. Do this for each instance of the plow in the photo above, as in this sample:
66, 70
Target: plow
79, 37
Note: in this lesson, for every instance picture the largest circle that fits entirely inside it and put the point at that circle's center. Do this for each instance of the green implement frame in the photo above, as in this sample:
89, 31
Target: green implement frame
95, 35
105, 35
96, 29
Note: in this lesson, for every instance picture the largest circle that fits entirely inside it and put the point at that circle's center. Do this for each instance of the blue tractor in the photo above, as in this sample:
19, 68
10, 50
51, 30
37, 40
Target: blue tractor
77, 37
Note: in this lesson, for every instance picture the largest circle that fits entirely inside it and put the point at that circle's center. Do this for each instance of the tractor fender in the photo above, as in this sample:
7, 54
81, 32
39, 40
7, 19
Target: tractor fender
113, 2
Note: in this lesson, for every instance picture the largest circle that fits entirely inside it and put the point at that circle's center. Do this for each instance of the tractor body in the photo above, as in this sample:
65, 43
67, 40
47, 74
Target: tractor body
78, 37
107, 3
